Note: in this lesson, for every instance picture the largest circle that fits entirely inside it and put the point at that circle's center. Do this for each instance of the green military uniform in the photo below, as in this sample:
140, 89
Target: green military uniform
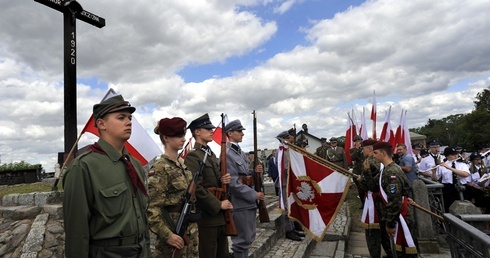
394, 182
337, 156
212, 239
167, 185
321, 152
375, 237
357, 168
103, 216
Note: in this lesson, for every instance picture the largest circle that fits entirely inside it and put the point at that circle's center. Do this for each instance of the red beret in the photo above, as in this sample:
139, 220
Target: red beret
368, 142
171, 127
382, 145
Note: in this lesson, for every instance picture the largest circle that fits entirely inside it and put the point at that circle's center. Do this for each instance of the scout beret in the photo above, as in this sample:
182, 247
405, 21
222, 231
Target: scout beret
450, 151
368, 142
323, 140
283, 135
116, 103
434, 143
333, 139
171, 127
201, 122
357, 138
382, 145
234, 125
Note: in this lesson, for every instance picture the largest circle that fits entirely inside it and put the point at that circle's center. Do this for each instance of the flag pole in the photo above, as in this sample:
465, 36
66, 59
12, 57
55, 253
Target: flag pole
55, 185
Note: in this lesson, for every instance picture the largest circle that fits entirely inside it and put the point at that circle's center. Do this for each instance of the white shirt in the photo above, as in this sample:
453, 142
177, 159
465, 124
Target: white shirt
472, 178
447, 175
426, 163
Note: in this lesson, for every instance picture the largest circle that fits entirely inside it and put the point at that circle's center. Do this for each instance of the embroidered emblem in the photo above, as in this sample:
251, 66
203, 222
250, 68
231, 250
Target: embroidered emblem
392, 188
151, 173
305, 192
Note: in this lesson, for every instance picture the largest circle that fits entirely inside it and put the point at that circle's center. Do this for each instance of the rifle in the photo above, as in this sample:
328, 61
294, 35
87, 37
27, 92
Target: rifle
188, 200
263, 214
230, 227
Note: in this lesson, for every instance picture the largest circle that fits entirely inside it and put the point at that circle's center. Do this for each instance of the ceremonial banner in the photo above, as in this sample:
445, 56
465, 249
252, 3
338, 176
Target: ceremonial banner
140, 145
363, 129
350, 133
315, 193
387, 134
218, 130
187, 148
373, 115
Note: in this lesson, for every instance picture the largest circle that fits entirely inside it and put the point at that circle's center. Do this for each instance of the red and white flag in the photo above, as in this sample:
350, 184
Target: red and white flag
387, 134
402, 134
350, 133
399, 138
315, 193
373, 115
219, 130
140, 145
187, 148
363, 129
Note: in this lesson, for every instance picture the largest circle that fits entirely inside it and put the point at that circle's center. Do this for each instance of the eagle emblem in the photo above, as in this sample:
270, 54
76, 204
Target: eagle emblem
305, 192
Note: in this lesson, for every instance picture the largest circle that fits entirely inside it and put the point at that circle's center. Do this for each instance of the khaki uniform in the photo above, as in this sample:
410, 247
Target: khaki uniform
321, 152
337, 156
212, 239
167, 186
103, 216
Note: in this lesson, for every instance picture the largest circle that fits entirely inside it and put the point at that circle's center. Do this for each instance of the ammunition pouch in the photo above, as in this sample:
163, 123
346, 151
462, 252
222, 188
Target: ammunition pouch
247, 180
216, 191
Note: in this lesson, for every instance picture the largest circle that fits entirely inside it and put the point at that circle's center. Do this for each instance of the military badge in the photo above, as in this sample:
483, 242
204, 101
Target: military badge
151, 172
392, 188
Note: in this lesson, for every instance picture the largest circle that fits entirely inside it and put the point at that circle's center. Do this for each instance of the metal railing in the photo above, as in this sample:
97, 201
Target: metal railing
436, 203
464, 239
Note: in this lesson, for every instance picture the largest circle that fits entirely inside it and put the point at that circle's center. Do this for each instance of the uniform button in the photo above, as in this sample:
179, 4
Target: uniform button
115, 192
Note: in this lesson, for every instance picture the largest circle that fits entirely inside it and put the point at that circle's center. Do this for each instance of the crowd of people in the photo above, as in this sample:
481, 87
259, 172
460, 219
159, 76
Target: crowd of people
111, 204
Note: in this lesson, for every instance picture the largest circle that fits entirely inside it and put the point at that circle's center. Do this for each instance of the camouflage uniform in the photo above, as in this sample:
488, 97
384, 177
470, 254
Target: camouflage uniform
167, 186
375, 237
395, 184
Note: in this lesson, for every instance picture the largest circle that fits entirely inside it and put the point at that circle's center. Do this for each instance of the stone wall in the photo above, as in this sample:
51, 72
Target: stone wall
31, 225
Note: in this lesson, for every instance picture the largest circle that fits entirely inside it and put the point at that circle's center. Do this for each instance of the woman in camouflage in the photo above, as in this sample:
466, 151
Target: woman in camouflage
168, 181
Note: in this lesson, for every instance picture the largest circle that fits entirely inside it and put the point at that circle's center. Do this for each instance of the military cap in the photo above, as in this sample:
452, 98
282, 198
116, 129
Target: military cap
171, 127
424, 152
382, 145
292, 131
323, 140
201, 122
368, 142
434, 143
234, 125
475, 155
283, 135
357, 138
251, 152
111, 105
333, 139
417, 146
449, 151
458, 148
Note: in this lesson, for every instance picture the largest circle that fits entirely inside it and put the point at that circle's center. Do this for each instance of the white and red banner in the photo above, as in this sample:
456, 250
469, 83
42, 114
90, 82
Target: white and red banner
373, 116
363, 128
187, 148
350, 133
219, 130
387, 134
402, 134
315, 193
140, 145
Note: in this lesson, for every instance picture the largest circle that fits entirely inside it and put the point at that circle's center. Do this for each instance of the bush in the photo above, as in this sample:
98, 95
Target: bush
16, 166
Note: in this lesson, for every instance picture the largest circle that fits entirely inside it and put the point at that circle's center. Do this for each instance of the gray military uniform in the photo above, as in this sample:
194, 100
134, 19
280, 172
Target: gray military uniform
243, 198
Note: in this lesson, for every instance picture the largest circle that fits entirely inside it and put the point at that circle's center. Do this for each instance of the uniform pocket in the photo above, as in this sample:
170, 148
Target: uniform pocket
112, 201
178, 181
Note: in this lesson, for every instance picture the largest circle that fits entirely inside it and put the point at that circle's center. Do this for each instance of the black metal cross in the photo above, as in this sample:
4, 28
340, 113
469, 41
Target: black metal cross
72, 11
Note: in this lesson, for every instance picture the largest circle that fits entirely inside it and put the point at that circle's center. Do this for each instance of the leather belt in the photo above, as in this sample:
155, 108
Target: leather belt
118, 241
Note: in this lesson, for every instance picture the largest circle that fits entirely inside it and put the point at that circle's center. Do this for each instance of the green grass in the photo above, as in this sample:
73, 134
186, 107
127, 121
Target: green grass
355, 213
28, 188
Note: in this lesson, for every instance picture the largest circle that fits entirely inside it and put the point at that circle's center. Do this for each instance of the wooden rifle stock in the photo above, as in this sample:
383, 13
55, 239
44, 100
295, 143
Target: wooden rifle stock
230, 227
187, 201
263, 213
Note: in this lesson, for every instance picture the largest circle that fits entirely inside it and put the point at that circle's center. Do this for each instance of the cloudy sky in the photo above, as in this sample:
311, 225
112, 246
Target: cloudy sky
293, 61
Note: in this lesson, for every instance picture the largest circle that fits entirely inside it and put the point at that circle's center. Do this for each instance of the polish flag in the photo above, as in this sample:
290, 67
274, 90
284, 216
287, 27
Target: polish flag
187, 148
219, 130
387, 134
140, 145
373, 115
315, 193
363, 129
350, 133
399, 138
402, 135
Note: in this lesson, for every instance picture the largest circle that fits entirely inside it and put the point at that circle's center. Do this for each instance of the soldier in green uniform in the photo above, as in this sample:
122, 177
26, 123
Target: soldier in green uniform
336, 154
322, 150
357, 161
168, 182
212, 239
394, 189
369, 182
105, 199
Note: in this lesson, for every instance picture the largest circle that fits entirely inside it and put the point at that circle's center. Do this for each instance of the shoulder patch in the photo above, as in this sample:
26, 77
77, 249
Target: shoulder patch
392, 188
